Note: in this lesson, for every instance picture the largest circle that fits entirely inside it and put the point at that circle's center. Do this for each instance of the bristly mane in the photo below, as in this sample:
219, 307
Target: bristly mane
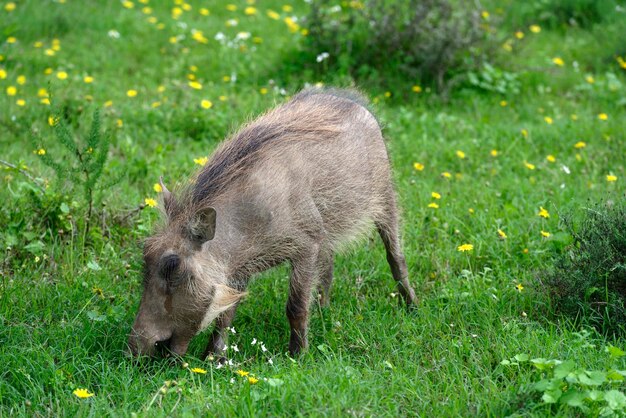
321, 114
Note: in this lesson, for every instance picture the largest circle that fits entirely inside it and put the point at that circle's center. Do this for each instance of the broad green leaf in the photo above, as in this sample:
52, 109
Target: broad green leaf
595, 395
552, 396
521, 357
593, 378
615, 352
615, 399
505, 362
616, 375
563, 369
573, 398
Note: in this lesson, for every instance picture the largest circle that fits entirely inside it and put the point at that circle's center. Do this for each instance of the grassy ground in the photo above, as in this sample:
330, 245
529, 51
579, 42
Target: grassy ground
68, 298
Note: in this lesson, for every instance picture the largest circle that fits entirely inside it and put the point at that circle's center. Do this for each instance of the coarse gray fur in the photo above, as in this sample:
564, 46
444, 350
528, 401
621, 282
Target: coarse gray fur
295, 185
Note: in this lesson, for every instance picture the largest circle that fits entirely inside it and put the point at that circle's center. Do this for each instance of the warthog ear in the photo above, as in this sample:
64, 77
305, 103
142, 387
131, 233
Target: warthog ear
170, 204
202, 226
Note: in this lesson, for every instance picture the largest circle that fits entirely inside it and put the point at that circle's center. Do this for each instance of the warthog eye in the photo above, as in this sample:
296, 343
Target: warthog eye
169, 269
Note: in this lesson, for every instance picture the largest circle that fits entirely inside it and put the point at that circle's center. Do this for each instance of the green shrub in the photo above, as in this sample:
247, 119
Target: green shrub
560, 13
588, 281
431, 41
78, 161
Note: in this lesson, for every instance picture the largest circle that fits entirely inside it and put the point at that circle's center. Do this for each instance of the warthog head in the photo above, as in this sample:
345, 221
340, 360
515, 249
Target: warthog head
184, 283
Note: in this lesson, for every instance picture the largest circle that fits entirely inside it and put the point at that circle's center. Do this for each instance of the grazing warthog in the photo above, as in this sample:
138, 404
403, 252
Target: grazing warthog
293, 185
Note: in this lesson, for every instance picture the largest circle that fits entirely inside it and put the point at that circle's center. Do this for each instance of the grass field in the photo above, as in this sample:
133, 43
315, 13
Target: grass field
492, 169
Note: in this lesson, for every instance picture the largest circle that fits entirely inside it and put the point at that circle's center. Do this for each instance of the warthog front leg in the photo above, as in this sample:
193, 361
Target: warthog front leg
302, 280
218, 339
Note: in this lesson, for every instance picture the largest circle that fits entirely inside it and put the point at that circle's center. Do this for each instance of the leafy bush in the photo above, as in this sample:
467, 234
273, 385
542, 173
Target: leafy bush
81, 165
559, 13
434, 41
572, 388
588, 281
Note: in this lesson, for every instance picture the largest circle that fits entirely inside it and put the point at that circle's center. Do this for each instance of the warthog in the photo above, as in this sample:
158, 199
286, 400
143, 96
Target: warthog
293, 185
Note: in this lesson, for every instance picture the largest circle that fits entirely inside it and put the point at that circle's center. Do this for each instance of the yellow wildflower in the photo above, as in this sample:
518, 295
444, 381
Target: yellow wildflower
291, 24
485, 14
195, 85
545, 234
204, 11
558, 61
433, 205
11, 91
460, 154
263, 90
529, 165
418, 166
580, 144
206, 104
548, 120
471, 210
435, 195
519, 287
253, 380
551, 158
589, 79
501, 234
198, 36
416, 89
446, 175
603, 116
21, 102
494, 152
88, 79
10, 6
41, 151
201, 160
61, 75
131, 93
535, 28
3, 74
157, 188
503, 103
465, 247
21, 80
611, 178
287, 8
519, 34
82, 393
11, 40
574, 117
150, 202
250, 11
524, 133
52, 120
119, 123
108, 103
198, 370
242, 373
543, 213
128, 4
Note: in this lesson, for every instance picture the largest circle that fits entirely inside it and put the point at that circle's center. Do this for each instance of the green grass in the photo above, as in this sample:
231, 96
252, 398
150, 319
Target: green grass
368, 356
